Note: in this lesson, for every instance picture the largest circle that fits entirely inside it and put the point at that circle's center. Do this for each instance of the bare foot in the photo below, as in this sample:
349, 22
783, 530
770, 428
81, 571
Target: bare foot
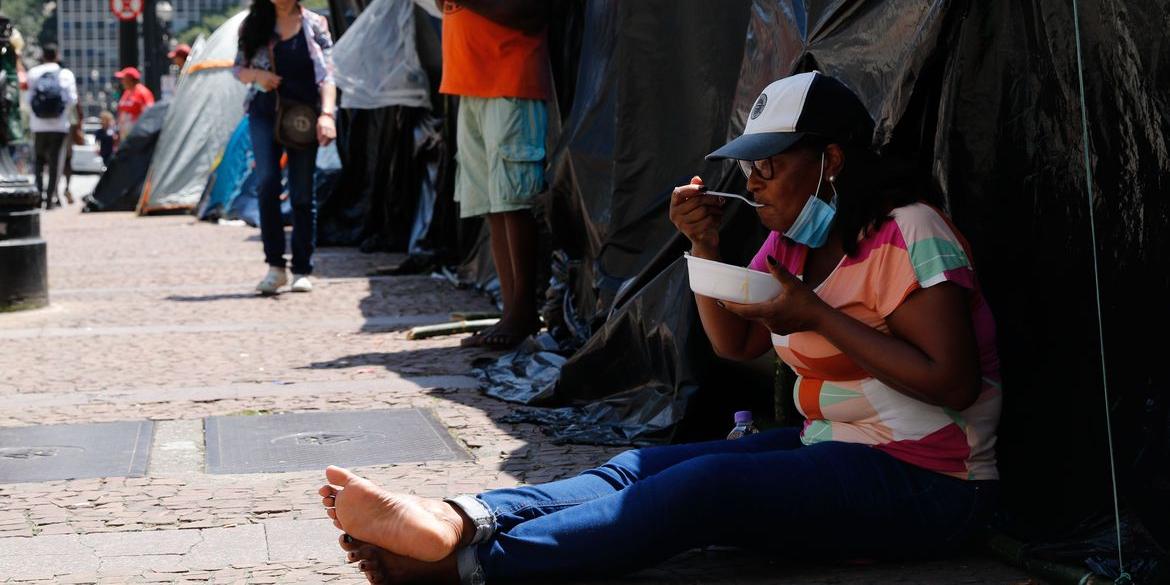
406, 525
510, 332
382, 567
476, 339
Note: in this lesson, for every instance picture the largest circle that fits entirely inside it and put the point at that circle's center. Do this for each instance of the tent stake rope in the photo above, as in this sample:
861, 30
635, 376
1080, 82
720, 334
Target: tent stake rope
1123, 578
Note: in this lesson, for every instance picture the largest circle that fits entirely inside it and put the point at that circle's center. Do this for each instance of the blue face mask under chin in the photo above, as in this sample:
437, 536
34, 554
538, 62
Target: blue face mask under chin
811, 227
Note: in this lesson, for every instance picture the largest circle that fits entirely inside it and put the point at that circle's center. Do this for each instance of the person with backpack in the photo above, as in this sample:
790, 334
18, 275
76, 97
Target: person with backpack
52, 91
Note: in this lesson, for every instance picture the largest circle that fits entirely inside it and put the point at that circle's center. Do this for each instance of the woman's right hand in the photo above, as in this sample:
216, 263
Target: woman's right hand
697, 217
267, 80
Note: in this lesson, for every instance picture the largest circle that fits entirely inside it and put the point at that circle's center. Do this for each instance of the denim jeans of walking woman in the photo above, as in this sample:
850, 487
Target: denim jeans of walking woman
301, 166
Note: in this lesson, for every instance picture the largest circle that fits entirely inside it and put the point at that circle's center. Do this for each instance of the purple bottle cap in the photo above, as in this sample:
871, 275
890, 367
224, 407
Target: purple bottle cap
743, 416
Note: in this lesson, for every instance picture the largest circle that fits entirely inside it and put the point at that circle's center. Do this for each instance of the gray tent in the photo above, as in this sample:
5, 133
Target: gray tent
207, 106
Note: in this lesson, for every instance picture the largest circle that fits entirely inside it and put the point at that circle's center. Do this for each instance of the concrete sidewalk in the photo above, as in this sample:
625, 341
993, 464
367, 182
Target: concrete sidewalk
154, 318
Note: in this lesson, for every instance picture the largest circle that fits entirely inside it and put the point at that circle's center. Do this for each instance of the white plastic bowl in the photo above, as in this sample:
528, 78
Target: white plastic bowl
730, 283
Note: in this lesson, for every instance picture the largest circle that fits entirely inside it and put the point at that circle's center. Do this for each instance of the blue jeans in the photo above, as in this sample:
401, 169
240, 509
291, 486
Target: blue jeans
301, 165
833, 499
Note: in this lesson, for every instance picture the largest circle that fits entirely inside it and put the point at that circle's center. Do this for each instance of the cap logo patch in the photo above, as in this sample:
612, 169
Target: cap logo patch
759, 107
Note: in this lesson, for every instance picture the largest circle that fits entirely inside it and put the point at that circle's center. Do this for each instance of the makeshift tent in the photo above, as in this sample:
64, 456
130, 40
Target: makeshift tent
393, 145
208, 104
389, 76
229, 176
623, 148
231, 192
120, 187
984, 97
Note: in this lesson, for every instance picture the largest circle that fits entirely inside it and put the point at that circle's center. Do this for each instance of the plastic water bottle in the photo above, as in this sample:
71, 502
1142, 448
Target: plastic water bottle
743, 425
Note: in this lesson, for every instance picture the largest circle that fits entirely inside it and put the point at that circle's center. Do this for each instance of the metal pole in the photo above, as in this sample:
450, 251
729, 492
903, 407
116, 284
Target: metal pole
152, 61
24, 274
128, 43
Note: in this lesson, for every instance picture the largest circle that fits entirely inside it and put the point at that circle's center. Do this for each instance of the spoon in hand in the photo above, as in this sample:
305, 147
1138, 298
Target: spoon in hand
734, 196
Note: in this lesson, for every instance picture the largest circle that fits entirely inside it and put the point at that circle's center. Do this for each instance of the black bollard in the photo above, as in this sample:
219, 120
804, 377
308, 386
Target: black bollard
24, 273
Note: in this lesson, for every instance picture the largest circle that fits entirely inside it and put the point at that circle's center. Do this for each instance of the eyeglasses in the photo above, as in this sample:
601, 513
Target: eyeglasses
762, 168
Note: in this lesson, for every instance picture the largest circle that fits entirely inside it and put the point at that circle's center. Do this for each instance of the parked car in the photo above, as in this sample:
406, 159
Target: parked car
87, 158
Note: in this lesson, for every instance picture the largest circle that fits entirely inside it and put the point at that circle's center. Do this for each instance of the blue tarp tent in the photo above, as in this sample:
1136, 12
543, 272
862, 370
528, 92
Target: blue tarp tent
231, 191
229, 177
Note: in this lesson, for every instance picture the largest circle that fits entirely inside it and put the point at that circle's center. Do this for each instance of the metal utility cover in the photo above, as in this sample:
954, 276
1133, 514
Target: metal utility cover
314, 440
43, 453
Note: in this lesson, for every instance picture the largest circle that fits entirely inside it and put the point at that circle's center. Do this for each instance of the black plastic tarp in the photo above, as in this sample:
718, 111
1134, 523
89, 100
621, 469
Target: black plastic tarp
374, 202
384, 162
654, 89
1011, 161
653, 92
984, 97
120, 187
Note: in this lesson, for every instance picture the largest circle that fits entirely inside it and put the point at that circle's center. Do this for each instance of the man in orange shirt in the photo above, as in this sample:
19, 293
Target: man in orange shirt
136, 97
495, 57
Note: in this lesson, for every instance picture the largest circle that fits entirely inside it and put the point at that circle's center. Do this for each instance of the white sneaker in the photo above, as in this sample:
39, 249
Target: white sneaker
276, 278
301, 283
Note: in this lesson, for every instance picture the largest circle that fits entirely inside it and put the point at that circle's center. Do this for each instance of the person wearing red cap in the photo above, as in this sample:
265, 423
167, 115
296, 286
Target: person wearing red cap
179, 54
135, 99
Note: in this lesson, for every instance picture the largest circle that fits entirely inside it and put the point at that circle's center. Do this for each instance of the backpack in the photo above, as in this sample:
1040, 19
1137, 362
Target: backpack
48, 97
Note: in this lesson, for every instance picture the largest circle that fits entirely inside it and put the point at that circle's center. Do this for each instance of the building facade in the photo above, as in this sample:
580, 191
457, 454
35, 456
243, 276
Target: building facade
87, 35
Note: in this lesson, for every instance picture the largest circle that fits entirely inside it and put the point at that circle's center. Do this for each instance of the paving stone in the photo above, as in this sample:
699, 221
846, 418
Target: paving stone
224, 547
141, 563
163, 542
77, 579
302, 540
44, 557
157, 578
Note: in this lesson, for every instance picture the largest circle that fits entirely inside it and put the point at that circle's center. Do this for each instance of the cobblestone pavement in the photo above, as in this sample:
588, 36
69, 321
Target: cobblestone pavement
154, 318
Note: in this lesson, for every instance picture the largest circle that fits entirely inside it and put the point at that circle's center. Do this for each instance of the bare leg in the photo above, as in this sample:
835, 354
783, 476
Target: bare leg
498, 236
406, 525
501, 256
68, 168
519, 245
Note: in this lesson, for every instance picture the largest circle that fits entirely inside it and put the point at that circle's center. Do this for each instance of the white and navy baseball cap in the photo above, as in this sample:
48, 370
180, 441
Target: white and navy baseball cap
797, 106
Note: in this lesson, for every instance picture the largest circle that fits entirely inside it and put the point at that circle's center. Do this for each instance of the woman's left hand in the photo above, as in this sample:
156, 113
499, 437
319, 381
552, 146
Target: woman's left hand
326, 129
796, 308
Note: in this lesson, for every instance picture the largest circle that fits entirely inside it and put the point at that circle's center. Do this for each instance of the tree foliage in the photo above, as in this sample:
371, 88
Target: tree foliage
35, 19
207, 24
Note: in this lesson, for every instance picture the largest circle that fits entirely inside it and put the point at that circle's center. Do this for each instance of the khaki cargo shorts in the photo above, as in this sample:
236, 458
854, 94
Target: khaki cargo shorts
500, 156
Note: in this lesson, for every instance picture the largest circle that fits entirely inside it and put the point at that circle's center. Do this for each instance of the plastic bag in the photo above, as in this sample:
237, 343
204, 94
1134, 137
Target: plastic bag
376, 61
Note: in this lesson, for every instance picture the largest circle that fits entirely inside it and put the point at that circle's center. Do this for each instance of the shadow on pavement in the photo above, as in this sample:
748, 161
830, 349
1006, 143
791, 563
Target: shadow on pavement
431, 361
218, 297
538, 460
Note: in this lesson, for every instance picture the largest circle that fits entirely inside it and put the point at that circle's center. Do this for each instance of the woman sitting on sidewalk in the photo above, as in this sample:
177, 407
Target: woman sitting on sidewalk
881, 316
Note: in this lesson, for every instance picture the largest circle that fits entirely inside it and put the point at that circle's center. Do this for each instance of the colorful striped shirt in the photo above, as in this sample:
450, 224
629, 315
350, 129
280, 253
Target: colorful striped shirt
840, 401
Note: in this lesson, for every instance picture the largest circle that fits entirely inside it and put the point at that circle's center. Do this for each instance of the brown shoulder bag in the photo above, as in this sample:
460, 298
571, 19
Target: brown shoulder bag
296, 122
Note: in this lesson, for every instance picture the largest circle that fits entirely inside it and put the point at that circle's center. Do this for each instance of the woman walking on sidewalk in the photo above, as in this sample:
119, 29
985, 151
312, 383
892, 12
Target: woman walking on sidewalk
285, 56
